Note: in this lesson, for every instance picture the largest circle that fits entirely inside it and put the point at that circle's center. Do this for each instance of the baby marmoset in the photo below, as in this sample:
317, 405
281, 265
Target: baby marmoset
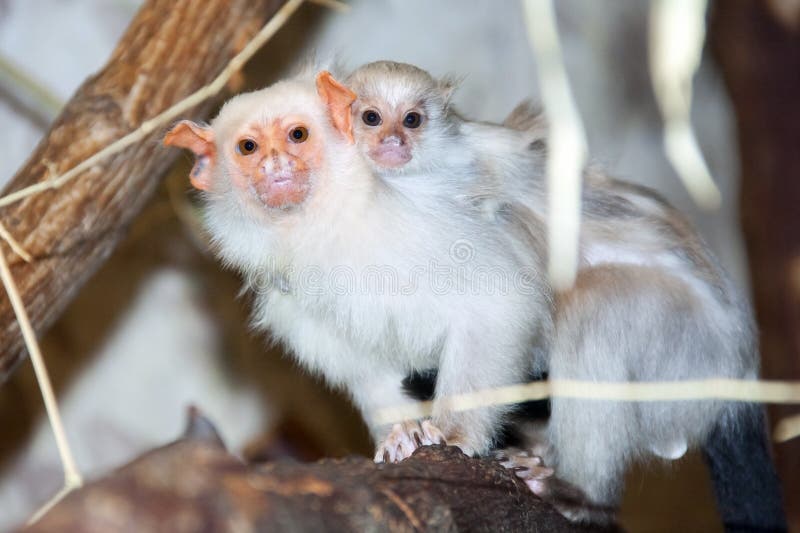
650, 302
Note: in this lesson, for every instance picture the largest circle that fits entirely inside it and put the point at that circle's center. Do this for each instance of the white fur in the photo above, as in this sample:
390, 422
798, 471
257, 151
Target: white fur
355, 222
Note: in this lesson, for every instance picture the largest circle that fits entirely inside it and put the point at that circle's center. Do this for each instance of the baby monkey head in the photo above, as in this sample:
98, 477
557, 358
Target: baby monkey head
401, 118
266, 147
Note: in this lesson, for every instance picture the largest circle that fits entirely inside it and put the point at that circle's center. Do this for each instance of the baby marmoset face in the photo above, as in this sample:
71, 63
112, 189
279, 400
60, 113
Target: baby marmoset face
401, 119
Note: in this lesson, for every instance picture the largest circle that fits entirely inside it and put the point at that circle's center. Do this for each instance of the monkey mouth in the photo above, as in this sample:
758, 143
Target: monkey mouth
391, 156
282, 189
281, 179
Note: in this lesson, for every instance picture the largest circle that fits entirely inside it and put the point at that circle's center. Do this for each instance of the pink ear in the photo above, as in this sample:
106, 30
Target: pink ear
338, 100
200, 140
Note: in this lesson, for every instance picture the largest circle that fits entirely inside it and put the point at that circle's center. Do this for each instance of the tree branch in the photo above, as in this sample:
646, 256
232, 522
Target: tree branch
193, 484
171, 49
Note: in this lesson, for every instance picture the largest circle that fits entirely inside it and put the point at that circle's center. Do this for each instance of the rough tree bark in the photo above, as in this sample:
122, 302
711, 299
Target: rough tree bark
193, 485
757, 44
171, 49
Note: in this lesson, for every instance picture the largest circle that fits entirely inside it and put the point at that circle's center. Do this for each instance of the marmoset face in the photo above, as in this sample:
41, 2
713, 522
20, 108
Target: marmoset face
398, 115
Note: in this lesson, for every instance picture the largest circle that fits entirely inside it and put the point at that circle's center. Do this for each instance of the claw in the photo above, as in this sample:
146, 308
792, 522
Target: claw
386, 458
432, 433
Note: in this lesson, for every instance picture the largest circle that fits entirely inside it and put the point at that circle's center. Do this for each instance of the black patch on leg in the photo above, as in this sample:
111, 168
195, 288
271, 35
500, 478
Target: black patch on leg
421, 386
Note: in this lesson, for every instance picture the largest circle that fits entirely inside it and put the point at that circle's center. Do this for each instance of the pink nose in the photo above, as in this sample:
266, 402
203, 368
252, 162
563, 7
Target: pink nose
393, 140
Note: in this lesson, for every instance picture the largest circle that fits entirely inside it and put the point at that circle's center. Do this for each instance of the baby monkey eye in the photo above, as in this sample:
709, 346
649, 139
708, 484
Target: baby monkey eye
371, 117
412, 119
246, 146
298, 134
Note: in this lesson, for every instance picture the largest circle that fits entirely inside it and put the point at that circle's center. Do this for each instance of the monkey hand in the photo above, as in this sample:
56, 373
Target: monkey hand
527, 466
569, 500
406, 437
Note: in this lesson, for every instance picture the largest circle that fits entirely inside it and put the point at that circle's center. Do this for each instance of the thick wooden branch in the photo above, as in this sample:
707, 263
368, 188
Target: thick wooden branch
171, 49
757, 44
194, 485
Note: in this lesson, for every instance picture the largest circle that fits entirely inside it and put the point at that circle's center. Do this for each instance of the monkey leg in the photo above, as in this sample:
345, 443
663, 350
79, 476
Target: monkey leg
587, 461
618, 323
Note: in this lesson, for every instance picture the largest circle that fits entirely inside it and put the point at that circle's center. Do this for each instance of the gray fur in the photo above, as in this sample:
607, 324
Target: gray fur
650, 302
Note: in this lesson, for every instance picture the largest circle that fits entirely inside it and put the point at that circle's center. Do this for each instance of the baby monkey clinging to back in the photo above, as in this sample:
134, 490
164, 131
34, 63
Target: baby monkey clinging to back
650, 302
366, 281
404, 124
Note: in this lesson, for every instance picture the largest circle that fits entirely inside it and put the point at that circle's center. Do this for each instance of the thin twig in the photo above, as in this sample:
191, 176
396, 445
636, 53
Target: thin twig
650, 391
567, 144
787, 429
60, 495
335, 5
34, 96
673, 63
147, 127
72, 477
15, 246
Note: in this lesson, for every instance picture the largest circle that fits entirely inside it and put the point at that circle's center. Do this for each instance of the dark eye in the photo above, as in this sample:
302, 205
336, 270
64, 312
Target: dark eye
412, 119
246, 146
298, 134
371, 117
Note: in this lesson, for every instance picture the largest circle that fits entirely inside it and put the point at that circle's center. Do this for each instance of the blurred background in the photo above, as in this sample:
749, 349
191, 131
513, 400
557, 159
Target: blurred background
162, 326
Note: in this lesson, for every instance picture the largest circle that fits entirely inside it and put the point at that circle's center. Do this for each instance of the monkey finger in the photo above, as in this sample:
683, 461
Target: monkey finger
381, 455
542, 472
538, 480
405, 448
417, 435
508, 465
538, 487
432, 433
537, 472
